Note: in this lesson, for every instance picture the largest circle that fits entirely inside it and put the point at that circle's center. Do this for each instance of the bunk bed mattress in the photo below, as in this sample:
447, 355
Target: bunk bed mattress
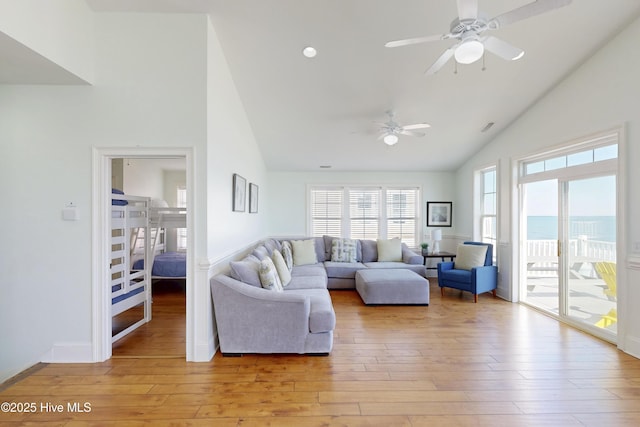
168, 264
123, 297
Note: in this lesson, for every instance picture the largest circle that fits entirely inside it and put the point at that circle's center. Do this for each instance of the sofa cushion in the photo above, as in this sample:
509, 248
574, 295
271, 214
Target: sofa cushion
281, 267
309, 270
261, 252
271, 246
304, 252
322, 318
343, 270
287, 254
390, 250
469, 256
369, 250
318, 243
269, 278
246, 270
307, 282
343, 250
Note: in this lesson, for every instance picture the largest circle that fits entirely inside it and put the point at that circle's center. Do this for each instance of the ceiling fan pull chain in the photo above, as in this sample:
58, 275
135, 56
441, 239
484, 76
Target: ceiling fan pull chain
483, 61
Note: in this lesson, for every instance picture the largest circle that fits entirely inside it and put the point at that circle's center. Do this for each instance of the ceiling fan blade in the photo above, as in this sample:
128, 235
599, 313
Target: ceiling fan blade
503, 49
467, 9
412, 133
416, 126
528, 10
417, 40
440, 61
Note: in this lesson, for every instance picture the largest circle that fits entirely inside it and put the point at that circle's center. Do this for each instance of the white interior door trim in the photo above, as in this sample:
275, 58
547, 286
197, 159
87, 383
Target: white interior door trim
101, 190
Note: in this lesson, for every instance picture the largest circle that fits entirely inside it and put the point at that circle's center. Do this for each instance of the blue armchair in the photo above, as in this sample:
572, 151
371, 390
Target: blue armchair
477, 280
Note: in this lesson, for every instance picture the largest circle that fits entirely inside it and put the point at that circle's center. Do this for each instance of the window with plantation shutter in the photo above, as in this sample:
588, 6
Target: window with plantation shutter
364, 213
401, 214
326, 211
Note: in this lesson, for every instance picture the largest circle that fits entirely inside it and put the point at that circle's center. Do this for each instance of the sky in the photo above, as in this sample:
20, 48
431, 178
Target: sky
587, 197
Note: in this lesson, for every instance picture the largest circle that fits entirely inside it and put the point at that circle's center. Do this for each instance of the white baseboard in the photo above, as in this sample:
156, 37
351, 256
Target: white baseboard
632, 347
72, 352
204, 352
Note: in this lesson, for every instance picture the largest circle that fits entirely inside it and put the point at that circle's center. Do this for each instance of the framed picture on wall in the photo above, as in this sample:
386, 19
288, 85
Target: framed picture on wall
253, 198
439, 214
239, 193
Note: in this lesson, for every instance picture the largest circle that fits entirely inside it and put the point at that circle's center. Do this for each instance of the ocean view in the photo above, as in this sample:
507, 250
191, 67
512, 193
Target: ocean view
602, 228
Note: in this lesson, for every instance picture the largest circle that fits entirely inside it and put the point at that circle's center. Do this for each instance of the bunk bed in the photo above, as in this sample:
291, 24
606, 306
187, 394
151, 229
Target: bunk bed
166, 265
129, 288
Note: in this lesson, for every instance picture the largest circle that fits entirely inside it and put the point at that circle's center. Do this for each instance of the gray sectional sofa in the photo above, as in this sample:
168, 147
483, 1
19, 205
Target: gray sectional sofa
298, 317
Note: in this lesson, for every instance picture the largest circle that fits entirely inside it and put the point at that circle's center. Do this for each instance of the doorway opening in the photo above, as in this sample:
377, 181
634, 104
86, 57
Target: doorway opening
161, 179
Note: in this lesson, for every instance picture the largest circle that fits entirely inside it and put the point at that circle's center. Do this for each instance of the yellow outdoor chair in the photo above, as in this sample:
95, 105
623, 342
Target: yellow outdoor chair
607, 271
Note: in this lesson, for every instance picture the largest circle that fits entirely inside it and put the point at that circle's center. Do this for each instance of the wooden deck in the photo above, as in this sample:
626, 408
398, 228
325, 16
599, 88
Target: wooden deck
454, 363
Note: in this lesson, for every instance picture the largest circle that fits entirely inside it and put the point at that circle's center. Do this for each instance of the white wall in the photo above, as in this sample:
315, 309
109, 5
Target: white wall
288, 194
232, 149
143, 177
149, 92
600, 95
61, 31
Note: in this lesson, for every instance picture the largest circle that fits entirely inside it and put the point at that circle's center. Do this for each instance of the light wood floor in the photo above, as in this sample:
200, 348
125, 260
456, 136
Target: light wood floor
454, 363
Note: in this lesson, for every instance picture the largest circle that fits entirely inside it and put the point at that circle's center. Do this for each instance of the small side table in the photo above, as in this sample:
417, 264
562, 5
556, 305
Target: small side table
441, 255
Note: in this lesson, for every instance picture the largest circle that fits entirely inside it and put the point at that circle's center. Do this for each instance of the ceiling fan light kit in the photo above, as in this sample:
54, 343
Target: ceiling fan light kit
468, 29
469, 51
390, 139
390, 130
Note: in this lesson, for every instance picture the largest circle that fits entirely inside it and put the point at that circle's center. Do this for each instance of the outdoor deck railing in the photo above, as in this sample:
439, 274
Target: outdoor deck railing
542, 255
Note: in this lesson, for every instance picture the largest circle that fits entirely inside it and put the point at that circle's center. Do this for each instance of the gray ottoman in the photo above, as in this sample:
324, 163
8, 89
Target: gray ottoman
392, 286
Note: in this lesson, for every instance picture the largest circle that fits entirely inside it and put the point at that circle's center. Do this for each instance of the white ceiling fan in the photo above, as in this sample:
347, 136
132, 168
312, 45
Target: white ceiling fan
469, 27
391, 130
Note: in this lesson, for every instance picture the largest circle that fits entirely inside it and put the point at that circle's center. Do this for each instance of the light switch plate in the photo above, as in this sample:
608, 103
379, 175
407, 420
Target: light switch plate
70, 214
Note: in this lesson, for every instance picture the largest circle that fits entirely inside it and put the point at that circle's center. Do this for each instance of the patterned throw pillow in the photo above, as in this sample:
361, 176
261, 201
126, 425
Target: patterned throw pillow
287, 254
269, 276
343, 250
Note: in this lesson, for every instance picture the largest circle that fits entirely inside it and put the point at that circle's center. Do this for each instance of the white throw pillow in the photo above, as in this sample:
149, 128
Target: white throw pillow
304, 252
469, 256
269, 275
343, 250
281, 267
390, 250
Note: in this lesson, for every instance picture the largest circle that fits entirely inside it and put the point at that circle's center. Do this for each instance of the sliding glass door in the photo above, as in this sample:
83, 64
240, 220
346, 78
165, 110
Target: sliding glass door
591, 251
568, 236
540, 249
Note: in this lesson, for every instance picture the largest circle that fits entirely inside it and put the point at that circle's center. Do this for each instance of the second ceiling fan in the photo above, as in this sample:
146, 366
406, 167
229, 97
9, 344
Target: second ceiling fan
468, 29
391, 130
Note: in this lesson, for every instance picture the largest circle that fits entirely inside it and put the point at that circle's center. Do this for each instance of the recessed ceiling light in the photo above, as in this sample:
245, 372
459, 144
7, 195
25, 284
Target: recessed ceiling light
325, 166
309, 52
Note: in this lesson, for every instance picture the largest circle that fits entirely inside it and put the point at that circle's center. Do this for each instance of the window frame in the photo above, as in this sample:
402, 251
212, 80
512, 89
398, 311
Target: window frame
382, 212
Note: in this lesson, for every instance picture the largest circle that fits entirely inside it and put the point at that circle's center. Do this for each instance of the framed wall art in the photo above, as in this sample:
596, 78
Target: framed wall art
253, 198
239, 193
439, 214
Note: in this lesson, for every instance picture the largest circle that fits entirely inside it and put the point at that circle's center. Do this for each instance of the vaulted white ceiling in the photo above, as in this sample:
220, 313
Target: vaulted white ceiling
311, 112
